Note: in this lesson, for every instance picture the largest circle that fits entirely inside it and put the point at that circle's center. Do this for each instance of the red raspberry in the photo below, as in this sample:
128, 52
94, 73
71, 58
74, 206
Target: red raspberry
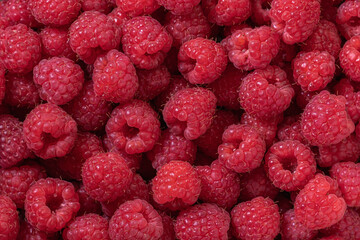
115, 77
9, 219
244, 47
13, 147
92, 34
256, 219
4, 20
190, 111
49, 131
202, 221
227, 12
179, 7
266, 93
293, 230
133, 127
103, 6
260, 12
55, 12
347, 19
20, 48
28, 232
136, 219
56, 43
176, 181
50, 204
348, 58
17, 12
325, 120
137, 7
290, 129
290, 165
168, 225
118, 17
145, 42
106, 176
89, 226
201, 60
219, 185
319, 204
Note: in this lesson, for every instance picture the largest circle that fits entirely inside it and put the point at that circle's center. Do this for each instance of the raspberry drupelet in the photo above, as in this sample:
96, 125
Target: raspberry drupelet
347, 19
135, 8
291, 229
56, 43
9, 219
349, 56
17, 12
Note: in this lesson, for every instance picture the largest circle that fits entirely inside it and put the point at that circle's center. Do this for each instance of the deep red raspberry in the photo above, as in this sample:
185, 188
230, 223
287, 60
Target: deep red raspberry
290, 129
242, 149
293, 230
136, 219
4, 20
348, 58
168, 226
190, 111
137, 7
50, 204
49, 131
118, 17
201, 60
115, 77
28, 232
226, 12
256, 219
92, 34
145, 42
9, 219
20, 48
89, 226
219, 185
325, 120
202, 221
347, 19
319, 204
56, 43
244, 47
179, 7
103, 6
260, 12
266, 93
17, 12
55, 12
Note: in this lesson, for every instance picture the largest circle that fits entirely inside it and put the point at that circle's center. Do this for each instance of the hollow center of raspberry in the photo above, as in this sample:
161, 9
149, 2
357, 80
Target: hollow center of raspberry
289, 164
354, 21
54, 202
131, 132
48, 138
188, 66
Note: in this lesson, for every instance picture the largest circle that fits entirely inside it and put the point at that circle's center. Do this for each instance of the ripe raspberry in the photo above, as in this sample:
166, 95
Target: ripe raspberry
50, 204
54, 12
17, 12
242, 149
325, 120
145, 42
219, 185
92, 34
290, 129
28, 232
136, 219
135, 8
20, 48
176, 181
266, 93
256, 219
260, 12
9, 219
201, 60
89, 226
293, 230
106, 176
190, 111
227, 12
202, 221
118, 17
347, 19
244, 46
56, 43
168, 226
179, 7
115, 77
49, 131
348, 58
13, 147
103, 6
319, 204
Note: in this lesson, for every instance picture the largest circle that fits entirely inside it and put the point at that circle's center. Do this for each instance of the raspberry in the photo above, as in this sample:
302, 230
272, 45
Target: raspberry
145, 42
50, 204
168, 226
16, 181
290, 165
115, 77
28, 232
136, 8
290, 129
13, 148
92, 34
89, 226
347, 19
325, 120
56, 43
348, 58
244, 46
136, 219
293, 230
176, 181
313, 70
17, 12
20, 48
103, 6
133, 127
347, 175
55, 12
190, 111
227, 12
266, 93
87, 203
219, 185
118, 17
179, 7
59, 79
256, 219
49, 131
201, 60
9, 219
106, 176
260, 12
202, 221
242, 149
319, 204
186, 27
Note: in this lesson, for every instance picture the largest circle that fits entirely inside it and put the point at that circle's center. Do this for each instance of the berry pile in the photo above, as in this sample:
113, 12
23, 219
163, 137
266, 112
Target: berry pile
179, 119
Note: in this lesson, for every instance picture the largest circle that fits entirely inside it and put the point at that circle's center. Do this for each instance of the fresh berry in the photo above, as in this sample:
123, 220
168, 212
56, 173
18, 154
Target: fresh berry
179, 7
347, 19
168, 226
103, 6
290, 129
56, 43
9, 219
137, 7
118, 17
348, 58
28, 232
260, 12
17, 12
291, 229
